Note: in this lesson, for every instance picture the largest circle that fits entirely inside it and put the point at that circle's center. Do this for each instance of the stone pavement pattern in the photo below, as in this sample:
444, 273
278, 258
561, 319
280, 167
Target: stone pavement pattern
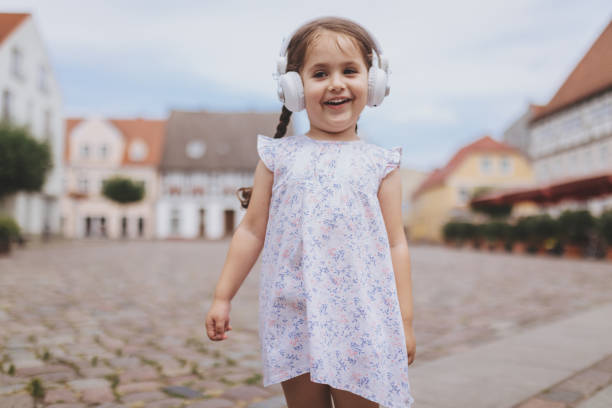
121, 324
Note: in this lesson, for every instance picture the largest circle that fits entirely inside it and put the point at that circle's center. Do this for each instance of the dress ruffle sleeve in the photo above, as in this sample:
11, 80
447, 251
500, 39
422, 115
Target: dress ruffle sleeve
392, 161
266, 148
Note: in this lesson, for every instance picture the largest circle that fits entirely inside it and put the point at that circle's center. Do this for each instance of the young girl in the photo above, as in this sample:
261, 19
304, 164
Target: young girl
335, 317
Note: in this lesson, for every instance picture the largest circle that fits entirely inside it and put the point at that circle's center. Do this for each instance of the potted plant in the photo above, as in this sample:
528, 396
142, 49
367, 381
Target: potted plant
575, 227
518, 232
604, 225
494, 234
545, 232
450, 232
476, 232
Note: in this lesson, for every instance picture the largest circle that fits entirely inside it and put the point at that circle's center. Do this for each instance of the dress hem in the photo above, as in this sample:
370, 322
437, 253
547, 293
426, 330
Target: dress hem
330, 383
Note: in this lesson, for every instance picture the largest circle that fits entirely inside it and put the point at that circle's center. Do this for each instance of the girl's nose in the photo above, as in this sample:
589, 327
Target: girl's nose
336, 82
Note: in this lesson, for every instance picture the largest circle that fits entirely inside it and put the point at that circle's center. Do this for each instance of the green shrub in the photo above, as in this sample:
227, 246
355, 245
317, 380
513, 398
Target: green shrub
575, 226
9, 230
604, 226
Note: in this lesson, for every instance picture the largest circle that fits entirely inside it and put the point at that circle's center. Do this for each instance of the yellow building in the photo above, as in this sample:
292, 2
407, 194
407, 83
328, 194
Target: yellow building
446, 192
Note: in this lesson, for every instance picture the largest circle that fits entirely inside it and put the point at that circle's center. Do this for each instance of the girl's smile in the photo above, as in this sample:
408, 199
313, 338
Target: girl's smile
335, 78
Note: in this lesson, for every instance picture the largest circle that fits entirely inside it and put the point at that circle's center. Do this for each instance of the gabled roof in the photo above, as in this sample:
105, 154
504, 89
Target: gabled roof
484, 144
592, 76
9, 22
229, 140
150, 131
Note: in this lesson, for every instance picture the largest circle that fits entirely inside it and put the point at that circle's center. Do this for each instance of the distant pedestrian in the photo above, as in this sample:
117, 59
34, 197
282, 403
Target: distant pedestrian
335, 299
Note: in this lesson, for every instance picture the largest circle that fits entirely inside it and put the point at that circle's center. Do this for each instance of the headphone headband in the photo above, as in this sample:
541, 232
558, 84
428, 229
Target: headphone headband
377, 52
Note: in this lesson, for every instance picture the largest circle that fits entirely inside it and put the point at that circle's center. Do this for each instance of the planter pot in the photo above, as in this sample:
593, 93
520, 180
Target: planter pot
572, 251
5, 247
609, 254
519, 248
542, 250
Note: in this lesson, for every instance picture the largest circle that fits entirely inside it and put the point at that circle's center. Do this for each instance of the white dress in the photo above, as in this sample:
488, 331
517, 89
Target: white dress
328, 300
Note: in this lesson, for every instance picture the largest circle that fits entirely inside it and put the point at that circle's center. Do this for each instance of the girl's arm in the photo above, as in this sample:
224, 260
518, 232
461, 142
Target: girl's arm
246, 244
390, 198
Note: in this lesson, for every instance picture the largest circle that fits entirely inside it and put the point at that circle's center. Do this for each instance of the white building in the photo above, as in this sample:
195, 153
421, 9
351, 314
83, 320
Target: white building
30, 96
97, 149
206, 158
571, 136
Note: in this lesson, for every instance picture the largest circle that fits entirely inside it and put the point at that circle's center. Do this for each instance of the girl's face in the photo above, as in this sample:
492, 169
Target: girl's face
333, 73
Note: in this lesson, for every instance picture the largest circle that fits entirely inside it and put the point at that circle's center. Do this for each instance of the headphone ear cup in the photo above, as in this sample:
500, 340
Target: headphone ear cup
377, 86
292, 90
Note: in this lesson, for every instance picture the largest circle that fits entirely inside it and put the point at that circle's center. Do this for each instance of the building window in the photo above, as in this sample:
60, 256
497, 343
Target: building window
175, 221
138, 151
7, 101
43, 84
17, 63
464, 195
47, 125
506, 165
103, 151
84, 151
485, 165
83, 185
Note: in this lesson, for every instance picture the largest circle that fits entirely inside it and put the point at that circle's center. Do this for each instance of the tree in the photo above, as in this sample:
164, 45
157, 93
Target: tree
24, 161
122, 190
492, 210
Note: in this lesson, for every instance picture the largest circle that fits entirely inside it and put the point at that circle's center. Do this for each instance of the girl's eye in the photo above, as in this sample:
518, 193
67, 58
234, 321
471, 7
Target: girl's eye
350, 71
319, 74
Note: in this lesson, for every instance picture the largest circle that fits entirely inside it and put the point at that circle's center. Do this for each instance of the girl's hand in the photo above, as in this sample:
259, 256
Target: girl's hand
217, 320
410, 342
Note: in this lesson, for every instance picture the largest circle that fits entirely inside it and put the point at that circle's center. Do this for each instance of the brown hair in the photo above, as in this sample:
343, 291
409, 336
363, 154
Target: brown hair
300, 42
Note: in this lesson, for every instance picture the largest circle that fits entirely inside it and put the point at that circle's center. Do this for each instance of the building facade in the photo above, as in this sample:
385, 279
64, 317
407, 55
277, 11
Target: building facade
30, 97
96, 150
446, 193
207, 157
571, 136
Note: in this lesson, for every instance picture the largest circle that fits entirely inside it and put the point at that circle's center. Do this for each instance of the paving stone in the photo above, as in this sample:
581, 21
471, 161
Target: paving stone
97, 395
275, 402
183, 379
99, 371
245, 393
43, 369
587, 382
144, 373
125, 362
67, 405
10, 389
540, 403
143, 396
16, 401
139, 387
604, 365
111, 405
182, 392
166, 403
88, 383
213, 403
58, 377
561, 395
60, 395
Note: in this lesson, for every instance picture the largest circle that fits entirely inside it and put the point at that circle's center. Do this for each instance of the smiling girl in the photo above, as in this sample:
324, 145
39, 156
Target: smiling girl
335, 300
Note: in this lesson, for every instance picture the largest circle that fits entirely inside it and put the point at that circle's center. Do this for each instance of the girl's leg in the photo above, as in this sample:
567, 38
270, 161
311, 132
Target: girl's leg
346, 399
300, 392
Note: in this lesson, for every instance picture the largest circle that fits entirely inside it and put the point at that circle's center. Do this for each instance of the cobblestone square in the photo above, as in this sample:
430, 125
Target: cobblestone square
121, 324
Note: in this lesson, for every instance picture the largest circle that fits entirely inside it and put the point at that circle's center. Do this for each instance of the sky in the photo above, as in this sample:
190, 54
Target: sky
459, 70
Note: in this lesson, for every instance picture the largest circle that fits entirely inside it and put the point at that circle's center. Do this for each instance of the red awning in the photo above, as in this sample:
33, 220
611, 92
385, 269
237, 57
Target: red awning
579, 189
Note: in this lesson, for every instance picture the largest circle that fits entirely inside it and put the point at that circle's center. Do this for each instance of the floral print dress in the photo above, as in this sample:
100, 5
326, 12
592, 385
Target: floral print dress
328, 300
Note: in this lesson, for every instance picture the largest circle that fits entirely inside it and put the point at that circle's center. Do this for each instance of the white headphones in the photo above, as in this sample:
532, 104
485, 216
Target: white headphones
291, 89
